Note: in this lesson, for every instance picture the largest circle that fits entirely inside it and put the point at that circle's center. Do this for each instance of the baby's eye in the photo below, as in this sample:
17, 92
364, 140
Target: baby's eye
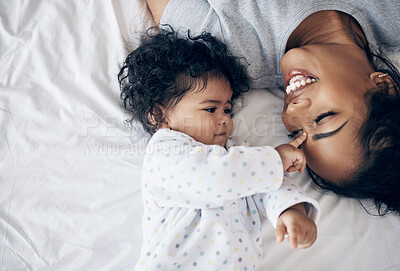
228, 111
211, 110
295, 133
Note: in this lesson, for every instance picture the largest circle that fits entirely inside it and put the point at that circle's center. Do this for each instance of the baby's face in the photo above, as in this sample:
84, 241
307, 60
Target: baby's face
205, 115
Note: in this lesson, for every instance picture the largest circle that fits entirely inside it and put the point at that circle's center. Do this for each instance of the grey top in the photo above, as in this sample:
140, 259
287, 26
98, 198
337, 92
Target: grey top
259, 30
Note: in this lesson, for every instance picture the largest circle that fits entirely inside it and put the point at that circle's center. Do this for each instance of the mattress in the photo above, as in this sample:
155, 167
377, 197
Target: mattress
70, 166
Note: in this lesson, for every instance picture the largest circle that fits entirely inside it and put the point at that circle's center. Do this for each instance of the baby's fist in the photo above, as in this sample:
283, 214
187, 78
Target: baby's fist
300, 229
293, 158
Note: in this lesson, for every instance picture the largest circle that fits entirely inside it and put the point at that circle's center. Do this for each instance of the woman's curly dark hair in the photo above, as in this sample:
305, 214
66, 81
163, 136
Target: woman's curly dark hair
378, 176
165, 67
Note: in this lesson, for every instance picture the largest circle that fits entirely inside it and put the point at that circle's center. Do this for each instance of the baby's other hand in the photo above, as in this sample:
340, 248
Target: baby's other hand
301, 230
293, 158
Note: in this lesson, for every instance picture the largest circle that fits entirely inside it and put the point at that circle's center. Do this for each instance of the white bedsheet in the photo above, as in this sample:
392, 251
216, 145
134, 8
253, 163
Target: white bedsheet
70, 194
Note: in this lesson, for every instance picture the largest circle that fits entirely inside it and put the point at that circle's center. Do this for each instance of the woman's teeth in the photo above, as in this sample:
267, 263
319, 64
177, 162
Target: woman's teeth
299, 81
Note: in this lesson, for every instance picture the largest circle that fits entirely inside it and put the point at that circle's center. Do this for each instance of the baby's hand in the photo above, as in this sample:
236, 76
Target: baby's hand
301, 230
292, 158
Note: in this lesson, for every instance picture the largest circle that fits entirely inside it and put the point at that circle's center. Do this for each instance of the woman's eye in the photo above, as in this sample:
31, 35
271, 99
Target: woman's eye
324, 115
211, 110
295, 133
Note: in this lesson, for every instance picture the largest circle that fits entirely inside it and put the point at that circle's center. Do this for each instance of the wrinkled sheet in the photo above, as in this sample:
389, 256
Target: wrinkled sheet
70, 191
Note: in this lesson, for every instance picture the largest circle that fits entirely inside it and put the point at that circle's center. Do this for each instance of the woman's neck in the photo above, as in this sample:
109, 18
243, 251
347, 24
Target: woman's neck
326, 27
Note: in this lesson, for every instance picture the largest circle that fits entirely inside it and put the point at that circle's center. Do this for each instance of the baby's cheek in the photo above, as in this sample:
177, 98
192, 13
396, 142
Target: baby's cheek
230, 127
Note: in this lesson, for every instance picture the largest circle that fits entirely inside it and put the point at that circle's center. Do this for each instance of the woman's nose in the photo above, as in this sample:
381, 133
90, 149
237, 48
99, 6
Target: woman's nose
298, 106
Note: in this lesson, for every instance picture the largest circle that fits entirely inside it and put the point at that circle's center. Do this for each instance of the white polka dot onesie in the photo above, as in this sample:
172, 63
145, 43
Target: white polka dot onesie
202, 203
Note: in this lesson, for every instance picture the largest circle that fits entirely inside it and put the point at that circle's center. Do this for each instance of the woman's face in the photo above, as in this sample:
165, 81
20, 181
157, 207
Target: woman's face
325, 99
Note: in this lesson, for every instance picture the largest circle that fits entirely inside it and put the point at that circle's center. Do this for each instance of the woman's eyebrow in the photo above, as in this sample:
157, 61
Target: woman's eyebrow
328, 134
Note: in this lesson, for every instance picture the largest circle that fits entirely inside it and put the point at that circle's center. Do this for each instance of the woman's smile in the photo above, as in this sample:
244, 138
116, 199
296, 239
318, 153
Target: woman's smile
296, 81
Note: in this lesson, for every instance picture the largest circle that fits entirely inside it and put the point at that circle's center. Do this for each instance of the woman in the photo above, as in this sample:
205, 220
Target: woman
335, 90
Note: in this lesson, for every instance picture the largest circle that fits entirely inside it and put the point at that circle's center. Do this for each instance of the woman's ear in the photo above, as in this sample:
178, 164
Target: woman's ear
384, 81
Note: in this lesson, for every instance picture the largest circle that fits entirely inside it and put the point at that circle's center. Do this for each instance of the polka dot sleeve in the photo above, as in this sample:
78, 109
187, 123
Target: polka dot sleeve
181, 172
272, 204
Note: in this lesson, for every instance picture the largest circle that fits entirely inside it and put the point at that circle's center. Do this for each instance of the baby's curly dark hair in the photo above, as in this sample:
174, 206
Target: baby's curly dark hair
165, 67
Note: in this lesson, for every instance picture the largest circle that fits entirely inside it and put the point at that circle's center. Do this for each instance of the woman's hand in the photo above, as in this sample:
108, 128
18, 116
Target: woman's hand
293, 158
300, 229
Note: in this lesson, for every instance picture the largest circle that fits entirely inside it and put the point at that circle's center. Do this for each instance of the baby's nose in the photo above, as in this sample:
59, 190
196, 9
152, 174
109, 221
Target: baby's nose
223, 120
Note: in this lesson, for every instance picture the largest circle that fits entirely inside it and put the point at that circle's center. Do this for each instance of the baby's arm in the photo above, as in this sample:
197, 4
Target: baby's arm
185, 173
301, 230
294, 222
293, 159
276, 205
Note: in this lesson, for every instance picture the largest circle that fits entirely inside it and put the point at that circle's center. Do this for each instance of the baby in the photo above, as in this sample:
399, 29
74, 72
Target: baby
203, 200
